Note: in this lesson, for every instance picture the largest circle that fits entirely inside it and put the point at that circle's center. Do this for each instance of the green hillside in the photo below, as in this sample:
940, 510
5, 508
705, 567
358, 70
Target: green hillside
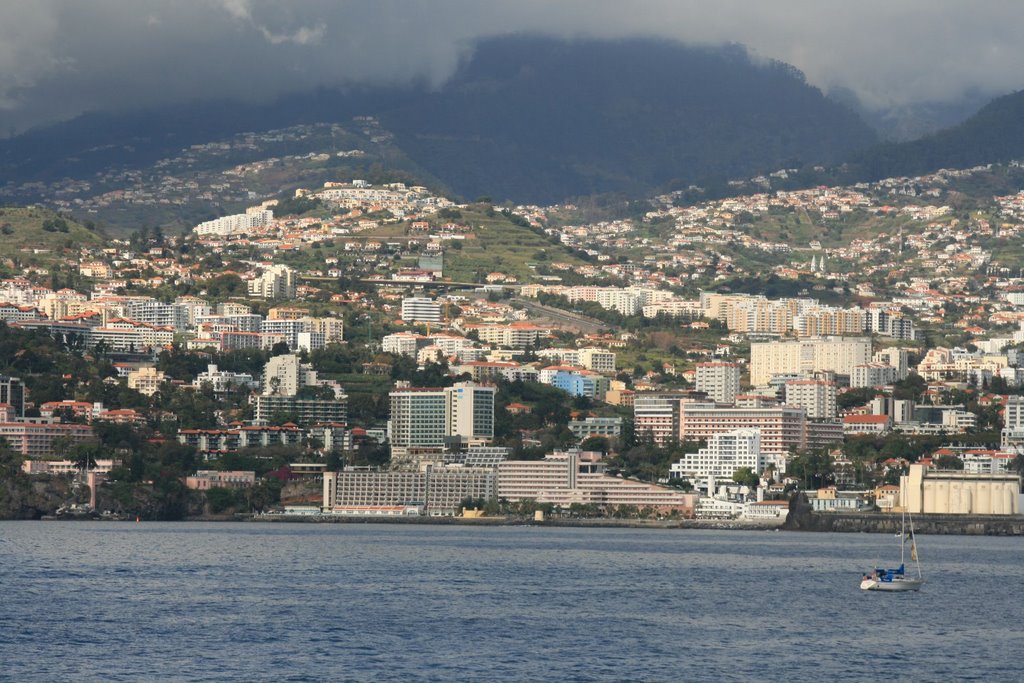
36, 236
500, 244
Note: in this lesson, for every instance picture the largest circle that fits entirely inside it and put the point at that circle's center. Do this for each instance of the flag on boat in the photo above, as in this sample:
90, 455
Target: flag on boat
913, 551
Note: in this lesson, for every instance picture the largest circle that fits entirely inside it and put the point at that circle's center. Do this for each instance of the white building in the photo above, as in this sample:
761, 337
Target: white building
402, 343
895, 357
285, 375
724, 454
222, 381
873, 375
432, 418
239, 223
421, 310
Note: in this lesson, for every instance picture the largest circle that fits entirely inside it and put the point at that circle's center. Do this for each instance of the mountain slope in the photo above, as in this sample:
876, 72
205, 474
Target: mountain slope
994, 134
537, 119
525, 118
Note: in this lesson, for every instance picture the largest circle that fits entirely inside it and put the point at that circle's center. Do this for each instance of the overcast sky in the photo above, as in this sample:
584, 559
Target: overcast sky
59, 58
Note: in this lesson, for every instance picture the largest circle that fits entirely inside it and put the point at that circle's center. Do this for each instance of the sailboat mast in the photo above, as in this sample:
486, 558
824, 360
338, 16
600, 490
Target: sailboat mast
903, 535
913, 548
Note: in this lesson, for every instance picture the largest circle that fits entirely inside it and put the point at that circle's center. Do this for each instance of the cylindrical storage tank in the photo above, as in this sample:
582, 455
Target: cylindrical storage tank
941, 497
984, 498
928, 504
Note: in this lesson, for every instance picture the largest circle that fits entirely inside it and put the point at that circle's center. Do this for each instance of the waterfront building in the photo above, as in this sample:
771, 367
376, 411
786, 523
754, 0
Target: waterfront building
436, 490
37, 439
204, 480
953, 492
564, 478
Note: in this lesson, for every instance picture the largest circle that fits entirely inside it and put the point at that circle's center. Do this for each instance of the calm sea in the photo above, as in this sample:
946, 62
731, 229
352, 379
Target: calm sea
348, 602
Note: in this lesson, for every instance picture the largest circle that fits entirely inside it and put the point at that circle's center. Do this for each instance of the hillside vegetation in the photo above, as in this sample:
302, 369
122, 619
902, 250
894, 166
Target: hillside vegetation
37, 236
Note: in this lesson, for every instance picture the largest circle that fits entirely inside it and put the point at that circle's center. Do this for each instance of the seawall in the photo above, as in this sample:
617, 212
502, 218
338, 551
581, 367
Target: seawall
968, 525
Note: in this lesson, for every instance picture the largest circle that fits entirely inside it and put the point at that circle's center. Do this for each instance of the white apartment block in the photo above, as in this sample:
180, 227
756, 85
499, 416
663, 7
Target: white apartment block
222, 381
513, 336
421, 310
285, 375
724, 454
128, 335
402, 343
239, 223
721, 381
897, 358
873, 375
597, 360
429, 417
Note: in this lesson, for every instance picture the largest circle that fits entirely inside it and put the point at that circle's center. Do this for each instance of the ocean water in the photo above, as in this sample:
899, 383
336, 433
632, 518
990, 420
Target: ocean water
101, 601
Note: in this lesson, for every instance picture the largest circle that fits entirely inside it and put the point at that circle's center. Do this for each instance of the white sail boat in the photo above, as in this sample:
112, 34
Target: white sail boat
896, 580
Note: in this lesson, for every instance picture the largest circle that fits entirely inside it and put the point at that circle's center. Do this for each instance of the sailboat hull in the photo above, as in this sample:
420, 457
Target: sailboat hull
897, 585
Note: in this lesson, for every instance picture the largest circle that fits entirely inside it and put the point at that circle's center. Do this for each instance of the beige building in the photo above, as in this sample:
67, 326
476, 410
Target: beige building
146, 381
721, 381
833, 354
953, 492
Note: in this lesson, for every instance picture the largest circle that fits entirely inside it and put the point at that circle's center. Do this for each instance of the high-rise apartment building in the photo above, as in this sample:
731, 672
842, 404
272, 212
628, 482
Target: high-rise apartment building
816, 396
831, 354
421, 310
433, 418
721, 381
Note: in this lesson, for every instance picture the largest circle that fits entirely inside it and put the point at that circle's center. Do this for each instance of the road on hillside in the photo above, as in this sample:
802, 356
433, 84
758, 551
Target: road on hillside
564, 318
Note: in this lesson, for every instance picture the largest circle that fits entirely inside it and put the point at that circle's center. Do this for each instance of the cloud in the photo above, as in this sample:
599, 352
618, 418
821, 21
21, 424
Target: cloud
304, 35
59, 58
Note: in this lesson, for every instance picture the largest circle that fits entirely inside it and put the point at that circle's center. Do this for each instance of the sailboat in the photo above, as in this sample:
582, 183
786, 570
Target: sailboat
897, 580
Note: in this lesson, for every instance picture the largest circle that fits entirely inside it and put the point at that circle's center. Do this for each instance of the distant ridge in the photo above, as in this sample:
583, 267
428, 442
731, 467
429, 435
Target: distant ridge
994, 134
525, 118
